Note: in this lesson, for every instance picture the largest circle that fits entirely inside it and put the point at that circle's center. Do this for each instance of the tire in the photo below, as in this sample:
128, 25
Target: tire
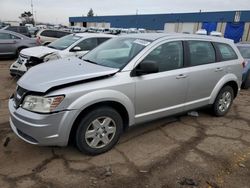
246, 84
99, 133
223, 101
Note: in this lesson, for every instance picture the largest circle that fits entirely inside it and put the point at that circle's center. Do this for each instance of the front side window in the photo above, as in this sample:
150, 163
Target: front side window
87, 44
227, 52
116, 52
64, 42
5, 36
201, 52
169, 56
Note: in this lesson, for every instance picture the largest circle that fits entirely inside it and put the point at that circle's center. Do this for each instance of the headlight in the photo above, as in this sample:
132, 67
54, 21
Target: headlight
41, 104
50, 57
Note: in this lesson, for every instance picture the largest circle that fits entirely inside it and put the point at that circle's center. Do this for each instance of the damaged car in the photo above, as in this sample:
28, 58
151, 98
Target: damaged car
128, 80
70, 45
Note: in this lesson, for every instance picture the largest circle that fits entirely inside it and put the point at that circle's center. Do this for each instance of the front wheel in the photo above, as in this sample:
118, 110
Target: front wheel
223, 101
99, 131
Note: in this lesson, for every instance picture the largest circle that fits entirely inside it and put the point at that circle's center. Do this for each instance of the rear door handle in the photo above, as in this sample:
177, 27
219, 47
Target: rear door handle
181, 76
218, 69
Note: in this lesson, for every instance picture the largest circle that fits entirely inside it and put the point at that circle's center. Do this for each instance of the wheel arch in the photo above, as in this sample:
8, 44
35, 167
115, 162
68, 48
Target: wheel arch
92, 100
120, 108
230, 80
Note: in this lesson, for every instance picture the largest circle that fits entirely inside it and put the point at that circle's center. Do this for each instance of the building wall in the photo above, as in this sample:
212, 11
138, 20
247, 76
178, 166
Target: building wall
186, 22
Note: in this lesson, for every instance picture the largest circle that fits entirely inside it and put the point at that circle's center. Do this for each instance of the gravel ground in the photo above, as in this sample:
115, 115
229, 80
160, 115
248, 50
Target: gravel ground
182, 151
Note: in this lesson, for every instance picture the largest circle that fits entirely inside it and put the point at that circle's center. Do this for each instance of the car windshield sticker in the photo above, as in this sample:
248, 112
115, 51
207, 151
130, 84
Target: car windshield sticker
142, 42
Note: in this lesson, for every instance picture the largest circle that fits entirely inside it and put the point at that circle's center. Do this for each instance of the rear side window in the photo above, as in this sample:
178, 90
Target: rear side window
5, 36
201, 52
49, 33
227, 52
101, 40
88, 44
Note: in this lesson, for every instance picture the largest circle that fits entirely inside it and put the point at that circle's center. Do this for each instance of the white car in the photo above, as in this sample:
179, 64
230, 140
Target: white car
70, 45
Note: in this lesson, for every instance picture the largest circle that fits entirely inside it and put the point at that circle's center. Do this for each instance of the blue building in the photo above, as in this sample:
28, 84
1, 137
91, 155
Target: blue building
233, 24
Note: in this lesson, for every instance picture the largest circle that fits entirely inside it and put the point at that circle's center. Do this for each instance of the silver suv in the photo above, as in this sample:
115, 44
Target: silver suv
127, 80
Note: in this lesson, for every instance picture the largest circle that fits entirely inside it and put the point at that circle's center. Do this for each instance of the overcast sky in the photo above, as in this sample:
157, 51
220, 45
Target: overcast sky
58, 11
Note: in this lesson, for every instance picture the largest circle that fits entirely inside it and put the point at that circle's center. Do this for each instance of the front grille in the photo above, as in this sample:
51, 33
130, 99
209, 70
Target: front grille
19, 95
26, 137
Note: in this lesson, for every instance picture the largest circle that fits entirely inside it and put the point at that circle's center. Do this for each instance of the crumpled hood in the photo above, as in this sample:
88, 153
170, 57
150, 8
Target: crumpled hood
59, 72
38, 51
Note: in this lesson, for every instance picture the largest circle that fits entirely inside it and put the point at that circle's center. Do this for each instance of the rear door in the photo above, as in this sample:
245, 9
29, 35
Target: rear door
7, 44
204, 72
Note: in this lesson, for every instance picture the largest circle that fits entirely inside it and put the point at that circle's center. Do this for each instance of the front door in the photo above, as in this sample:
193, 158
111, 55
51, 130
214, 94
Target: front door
163, 93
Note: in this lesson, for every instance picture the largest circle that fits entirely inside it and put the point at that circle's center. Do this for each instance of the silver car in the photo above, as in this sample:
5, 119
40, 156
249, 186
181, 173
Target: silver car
127, 80
12, 43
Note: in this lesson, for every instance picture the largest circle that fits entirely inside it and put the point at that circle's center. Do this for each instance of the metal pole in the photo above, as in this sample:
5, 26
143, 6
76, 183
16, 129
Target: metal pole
32, 11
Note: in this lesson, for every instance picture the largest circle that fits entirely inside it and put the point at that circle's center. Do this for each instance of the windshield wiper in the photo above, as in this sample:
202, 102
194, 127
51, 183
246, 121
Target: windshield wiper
90, 61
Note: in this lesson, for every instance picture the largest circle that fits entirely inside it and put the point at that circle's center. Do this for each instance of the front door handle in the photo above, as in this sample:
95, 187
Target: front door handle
181, 76
218, 69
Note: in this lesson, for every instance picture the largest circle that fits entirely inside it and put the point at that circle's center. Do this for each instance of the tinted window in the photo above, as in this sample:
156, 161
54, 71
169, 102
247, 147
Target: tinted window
61, 34
101, 40
227, 52
87, 44
169, 56
201, 52
5, 36
49, 33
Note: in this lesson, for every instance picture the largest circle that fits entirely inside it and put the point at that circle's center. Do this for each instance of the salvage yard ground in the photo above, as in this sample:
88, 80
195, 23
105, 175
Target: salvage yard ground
184, 151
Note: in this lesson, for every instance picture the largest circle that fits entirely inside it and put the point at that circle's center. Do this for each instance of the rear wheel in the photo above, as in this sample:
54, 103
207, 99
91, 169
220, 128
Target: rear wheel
223, 101
99, 131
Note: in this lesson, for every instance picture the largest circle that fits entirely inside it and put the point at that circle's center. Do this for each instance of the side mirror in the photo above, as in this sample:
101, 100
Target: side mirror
76, 49
147, 67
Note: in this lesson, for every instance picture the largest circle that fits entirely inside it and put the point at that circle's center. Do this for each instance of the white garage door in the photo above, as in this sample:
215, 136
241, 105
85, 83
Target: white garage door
188, 27
169, 27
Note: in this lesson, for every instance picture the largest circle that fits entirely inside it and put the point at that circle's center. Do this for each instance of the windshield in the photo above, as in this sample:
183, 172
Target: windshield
116, 52
245, 51
64, 42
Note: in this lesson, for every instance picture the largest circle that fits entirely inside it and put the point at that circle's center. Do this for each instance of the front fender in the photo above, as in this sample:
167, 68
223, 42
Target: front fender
227, 78
95, 97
